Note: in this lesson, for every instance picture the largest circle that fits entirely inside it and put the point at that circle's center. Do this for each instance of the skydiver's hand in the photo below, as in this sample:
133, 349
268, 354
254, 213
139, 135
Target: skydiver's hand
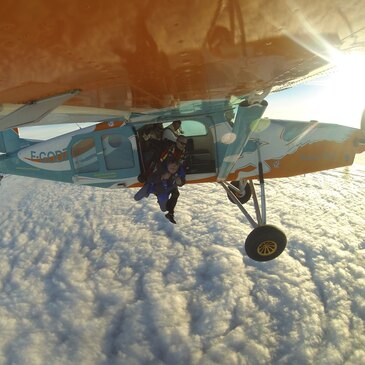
165, 176
179, 181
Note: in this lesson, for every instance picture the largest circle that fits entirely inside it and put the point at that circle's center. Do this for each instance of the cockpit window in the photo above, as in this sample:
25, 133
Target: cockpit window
191, 128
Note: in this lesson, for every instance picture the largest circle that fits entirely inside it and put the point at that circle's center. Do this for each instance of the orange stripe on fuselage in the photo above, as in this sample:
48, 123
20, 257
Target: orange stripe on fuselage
315, 157
81, 147
318, 156
108, 125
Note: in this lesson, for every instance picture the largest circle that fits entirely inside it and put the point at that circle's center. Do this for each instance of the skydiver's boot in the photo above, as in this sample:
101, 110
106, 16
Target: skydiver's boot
142, 178
170, 217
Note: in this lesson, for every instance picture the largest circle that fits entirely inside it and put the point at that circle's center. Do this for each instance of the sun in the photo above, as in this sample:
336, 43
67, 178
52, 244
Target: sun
344, 89
349, 73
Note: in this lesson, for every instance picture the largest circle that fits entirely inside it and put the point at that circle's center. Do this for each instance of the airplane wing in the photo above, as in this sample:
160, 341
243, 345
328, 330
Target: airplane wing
50, 111
128, 56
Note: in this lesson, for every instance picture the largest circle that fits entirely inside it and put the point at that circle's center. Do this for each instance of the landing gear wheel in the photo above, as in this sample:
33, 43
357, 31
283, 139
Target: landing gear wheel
243, 198
265, 243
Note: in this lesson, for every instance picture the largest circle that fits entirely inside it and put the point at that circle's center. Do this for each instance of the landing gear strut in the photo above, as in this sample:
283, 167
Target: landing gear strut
265, 242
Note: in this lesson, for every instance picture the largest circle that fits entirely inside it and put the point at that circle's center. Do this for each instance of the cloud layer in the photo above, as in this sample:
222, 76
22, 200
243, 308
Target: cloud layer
90, 276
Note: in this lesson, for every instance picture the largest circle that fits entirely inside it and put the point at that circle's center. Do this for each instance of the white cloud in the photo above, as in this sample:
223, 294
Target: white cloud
90, 276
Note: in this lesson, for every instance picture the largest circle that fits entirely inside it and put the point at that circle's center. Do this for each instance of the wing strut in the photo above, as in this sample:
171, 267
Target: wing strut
244, 126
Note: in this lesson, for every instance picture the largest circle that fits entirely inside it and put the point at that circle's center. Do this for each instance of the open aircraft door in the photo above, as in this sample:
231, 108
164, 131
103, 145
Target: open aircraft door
105, 157
201, 155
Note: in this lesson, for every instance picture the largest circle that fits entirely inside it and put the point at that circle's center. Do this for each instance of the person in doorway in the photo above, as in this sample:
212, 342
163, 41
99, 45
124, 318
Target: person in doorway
152, 148
172, 131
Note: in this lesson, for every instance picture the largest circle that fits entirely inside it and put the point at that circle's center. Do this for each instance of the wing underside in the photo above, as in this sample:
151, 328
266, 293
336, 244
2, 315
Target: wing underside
137, 55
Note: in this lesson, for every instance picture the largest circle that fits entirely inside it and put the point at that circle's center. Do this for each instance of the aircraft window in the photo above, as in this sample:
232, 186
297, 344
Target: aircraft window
84, 156
292, 131
191, 128
118, 153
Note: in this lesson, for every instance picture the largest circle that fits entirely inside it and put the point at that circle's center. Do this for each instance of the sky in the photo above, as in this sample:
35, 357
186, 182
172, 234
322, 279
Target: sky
336, 97
89, 276
314, 101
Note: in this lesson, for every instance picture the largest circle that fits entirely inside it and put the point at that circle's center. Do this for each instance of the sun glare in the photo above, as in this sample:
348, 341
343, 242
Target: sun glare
349, 73
343, 91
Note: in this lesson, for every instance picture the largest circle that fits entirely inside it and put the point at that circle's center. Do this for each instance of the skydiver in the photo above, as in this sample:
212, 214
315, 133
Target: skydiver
157, 155
164, 184
175, 150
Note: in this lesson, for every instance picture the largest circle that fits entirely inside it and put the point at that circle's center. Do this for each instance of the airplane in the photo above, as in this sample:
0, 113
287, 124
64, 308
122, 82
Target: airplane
126, 66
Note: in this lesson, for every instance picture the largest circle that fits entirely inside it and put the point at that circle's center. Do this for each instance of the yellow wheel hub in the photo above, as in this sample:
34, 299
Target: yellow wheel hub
267, 248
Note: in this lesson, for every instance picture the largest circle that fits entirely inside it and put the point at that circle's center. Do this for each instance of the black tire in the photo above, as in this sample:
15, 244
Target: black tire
243, 198
265, 243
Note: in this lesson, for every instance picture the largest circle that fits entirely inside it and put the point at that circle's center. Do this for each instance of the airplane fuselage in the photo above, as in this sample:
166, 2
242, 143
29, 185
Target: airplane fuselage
110, 154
